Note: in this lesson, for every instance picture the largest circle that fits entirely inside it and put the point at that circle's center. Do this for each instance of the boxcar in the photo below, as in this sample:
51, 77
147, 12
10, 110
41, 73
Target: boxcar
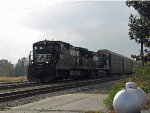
118, 64
127, 65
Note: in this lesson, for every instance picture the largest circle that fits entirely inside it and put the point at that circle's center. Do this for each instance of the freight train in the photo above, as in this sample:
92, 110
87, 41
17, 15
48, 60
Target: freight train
58, 60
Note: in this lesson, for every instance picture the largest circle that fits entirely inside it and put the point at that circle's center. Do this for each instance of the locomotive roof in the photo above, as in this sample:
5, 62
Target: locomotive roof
105, 51
50, 42
81, 48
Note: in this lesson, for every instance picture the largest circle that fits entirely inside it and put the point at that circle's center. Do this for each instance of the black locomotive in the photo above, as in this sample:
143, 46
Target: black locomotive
57, 60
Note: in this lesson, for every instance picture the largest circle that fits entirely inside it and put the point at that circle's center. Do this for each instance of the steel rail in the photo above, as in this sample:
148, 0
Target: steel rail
12, 82
16, 85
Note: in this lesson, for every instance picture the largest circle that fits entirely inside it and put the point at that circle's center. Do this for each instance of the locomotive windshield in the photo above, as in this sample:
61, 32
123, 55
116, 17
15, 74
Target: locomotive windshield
45, 51
49, 48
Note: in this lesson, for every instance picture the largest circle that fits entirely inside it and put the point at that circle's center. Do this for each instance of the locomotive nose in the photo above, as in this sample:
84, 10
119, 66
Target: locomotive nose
45, 71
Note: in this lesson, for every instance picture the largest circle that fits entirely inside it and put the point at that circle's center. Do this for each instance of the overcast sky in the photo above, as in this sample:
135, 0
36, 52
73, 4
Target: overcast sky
90, 24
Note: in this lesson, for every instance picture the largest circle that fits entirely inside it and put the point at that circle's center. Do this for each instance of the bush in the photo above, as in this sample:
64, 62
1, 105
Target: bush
108, 101
141, 76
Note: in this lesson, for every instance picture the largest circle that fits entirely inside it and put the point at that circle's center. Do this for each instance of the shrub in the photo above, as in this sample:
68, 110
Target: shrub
141, 76
108, 101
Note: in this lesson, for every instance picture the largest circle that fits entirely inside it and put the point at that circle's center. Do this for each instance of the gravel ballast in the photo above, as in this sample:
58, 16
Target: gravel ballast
101, 88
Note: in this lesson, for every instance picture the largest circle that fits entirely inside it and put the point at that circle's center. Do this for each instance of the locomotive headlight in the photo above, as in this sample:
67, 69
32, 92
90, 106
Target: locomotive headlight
46, 62
32, 62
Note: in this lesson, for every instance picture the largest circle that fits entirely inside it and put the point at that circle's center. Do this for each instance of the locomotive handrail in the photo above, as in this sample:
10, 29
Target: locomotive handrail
30, 55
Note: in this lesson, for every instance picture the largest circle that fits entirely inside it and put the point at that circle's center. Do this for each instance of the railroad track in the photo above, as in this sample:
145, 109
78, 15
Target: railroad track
16, 85
49, 89
12, 82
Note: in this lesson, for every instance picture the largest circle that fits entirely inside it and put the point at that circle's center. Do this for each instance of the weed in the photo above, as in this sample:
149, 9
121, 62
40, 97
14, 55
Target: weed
7, 79
141, 76
94, 112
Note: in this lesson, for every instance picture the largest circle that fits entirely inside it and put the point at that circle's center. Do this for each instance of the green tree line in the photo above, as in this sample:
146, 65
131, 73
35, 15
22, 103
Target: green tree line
139, 28
8, 69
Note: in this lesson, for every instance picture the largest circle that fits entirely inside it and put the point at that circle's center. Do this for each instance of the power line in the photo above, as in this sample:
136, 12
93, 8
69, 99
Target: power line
40, 7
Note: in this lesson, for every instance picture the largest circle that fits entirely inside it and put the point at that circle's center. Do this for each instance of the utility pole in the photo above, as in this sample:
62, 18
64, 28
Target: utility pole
142, 53
23, 65
22, 68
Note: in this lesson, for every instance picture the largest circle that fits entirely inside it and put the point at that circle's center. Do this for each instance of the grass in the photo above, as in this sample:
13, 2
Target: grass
108, 101
2, 108
99, 112
120, 85
141, 76
9, 79
148, 103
